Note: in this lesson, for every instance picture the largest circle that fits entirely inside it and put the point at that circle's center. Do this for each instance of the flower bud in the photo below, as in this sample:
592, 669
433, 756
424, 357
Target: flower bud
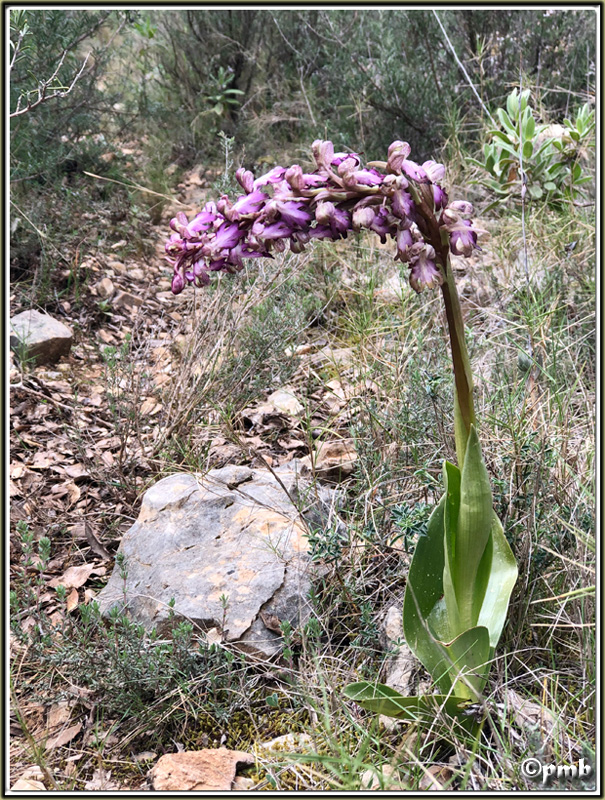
245, 178
435, 171
363, 218
178, 283
462, 207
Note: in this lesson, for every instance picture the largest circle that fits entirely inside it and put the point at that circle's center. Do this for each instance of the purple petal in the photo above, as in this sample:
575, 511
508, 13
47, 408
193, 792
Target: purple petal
227, 236
323, 153
178, 283
276, 230
294, 213
402, 204
273, 176
321, 232
463, 240
250, 203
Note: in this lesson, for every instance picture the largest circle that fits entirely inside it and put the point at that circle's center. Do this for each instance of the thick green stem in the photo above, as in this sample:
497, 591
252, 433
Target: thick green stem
464, 410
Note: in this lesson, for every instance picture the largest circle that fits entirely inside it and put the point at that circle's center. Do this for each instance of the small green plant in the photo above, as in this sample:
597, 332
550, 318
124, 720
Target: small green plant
523, 154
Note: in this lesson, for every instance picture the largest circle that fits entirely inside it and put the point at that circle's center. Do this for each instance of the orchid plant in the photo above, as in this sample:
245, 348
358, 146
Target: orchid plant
463, 571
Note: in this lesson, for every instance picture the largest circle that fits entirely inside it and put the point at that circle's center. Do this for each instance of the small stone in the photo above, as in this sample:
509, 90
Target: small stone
285, 401
105, 288
198, 770
39, 337
127, 300
333, 460
233, 533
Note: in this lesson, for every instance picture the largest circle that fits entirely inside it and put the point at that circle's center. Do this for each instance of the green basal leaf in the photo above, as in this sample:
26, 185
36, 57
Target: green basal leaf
528, 149
382, 699
467, 532
467, 660
502, 579
535, 192
460, 581
550, 186
509, 148
423, 592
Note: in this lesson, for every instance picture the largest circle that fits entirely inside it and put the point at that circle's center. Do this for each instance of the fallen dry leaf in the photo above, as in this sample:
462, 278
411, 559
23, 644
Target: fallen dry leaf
73, 577
76, 471
150, 406
64, 737
28, 785
101, 781
72, 600
95, 545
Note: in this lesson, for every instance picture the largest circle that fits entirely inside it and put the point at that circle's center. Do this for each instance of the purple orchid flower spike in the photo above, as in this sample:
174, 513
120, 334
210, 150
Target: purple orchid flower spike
397, 198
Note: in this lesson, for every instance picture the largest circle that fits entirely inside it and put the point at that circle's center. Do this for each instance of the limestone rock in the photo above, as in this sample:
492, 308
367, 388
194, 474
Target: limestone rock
225, 546
333, 461
403, 670
39, 337
105, 288
198, 770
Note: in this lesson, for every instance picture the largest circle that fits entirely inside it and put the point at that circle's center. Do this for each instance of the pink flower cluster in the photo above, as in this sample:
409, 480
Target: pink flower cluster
397, 198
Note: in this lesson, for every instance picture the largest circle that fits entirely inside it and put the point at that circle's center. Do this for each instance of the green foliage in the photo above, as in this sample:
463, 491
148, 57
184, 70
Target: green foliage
551, 163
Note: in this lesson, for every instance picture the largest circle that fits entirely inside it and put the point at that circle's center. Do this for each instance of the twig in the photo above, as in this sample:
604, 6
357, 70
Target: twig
57, 403
134, 186
43, 87
466, 75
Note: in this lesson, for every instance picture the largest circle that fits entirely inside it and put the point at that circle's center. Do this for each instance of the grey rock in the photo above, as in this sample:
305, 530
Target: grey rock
404, 672
233, 533
39, 337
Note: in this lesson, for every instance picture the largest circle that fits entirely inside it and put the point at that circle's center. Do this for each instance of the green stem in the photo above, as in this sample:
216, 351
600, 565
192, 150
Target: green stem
464, 409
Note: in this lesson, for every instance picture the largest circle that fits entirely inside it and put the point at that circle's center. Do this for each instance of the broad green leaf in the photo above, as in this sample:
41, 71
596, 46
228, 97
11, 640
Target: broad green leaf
506, 121
509, 148
524, 99
502, 579
536, 192
423, 591
512, 104
528, 149
550, 186
470, 536
382, 699
502, 136
576, 171
469, 656
529, 128
575, 135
